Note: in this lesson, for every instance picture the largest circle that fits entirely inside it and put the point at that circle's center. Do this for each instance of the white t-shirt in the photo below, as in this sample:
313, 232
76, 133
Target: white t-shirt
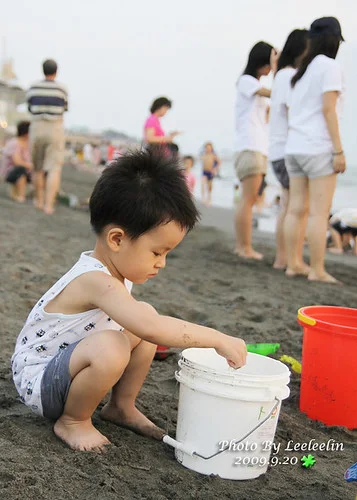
45, 334
308, 133
278, 120
251, 129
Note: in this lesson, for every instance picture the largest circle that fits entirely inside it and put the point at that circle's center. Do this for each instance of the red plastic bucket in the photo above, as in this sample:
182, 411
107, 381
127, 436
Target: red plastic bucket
329, 365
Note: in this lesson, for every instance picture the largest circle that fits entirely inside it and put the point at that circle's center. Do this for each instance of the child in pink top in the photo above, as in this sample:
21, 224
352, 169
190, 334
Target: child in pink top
188, 163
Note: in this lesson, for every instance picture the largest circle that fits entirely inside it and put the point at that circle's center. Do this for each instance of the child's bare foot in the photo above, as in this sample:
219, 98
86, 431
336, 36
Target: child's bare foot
249, 254
324, 278
132, 419
82, 436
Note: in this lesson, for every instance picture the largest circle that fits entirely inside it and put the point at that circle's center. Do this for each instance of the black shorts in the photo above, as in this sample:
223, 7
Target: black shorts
342, 229
263, 185
281, 173
15, 173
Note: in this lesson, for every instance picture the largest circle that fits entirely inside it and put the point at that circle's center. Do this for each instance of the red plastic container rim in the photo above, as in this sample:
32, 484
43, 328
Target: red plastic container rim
306, 318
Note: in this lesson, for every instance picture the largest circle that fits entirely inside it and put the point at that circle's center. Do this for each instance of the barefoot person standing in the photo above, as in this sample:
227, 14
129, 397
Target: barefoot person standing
251, 141
314, 152
290, 58
210, 165
47, 101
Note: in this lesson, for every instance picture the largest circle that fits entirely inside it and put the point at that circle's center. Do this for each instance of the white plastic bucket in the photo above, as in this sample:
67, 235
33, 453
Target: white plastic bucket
218, 406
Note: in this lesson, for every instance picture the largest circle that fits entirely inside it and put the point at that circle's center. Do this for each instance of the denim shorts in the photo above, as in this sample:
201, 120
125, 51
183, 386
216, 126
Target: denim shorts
311, 166
55, 384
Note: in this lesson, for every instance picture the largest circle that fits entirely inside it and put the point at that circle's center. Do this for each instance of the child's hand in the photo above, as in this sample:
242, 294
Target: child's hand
234, 350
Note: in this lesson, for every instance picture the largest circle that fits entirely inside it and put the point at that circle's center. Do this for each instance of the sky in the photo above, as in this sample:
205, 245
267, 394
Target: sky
115, 57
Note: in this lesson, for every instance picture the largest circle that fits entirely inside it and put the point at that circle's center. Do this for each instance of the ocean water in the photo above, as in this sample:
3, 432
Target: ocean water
223, 190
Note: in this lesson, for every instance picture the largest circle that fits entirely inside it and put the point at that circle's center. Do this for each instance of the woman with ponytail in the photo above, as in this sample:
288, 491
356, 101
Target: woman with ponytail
290, 58
251, 141
314, 152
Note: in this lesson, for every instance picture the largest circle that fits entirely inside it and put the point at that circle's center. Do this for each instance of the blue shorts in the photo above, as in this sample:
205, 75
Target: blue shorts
208, 174
55, 384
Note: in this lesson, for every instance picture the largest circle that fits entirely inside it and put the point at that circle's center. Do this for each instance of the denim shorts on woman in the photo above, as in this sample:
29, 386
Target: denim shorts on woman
311, 166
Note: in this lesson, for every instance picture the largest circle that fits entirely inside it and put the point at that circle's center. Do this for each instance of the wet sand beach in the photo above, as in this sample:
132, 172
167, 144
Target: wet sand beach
203, 282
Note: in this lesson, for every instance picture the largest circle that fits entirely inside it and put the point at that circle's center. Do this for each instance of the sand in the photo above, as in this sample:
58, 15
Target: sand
203, 282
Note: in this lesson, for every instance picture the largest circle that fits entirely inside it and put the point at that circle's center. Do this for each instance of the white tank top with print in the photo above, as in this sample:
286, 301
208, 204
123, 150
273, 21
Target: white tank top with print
45, 334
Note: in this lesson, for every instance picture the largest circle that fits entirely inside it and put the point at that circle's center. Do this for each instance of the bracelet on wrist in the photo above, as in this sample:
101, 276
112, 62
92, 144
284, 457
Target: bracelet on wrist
338, 153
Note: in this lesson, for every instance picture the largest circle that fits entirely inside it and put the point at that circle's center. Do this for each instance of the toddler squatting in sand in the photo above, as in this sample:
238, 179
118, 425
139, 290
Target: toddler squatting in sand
87, 335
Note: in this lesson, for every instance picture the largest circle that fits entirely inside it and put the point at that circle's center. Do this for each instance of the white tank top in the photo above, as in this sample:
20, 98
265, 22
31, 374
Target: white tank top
45, 334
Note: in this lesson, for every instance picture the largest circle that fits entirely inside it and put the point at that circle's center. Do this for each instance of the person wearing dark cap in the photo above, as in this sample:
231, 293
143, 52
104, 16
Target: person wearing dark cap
47, 101
314, 152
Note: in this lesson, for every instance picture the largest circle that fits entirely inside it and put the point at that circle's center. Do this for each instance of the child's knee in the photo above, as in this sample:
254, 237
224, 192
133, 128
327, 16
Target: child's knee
113, 351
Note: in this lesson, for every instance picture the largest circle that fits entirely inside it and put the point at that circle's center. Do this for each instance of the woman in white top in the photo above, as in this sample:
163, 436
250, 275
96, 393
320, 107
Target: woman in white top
289, 59
251, 141
314, 153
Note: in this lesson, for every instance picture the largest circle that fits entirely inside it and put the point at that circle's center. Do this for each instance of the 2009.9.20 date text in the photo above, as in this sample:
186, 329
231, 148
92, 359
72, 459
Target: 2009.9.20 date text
263, 461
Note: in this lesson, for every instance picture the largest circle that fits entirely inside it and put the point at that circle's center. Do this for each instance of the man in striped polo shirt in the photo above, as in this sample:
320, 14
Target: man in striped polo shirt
47, 101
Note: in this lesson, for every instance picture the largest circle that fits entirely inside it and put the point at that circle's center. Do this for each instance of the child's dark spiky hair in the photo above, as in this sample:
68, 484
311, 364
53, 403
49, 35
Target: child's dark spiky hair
140, 191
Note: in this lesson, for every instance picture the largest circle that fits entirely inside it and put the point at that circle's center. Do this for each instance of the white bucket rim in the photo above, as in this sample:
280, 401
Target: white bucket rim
236, 377
230, 383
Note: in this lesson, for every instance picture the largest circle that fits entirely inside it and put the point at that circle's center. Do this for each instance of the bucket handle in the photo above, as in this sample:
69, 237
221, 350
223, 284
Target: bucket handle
305, 319
189, 451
